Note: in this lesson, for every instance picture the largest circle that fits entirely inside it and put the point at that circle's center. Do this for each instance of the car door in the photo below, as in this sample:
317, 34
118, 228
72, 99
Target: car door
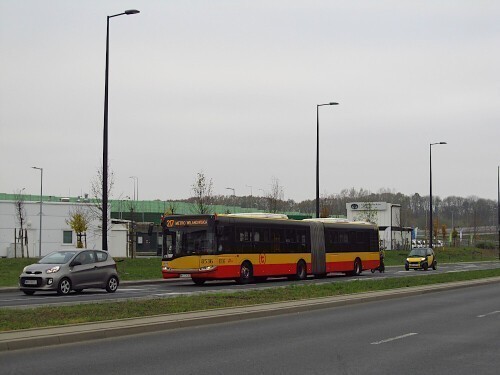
103, 268
84, 273
430, 257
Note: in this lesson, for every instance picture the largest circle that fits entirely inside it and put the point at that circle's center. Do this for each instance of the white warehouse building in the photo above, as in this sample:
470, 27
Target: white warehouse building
56, 232
388, 218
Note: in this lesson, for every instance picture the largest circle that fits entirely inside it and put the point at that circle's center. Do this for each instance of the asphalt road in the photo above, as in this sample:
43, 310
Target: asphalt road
449, 332
184, 286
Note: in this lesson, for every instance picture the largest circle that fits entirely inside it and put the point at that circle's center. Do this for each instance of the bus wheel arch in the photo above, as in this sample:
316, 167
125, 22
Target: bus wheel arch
246, 273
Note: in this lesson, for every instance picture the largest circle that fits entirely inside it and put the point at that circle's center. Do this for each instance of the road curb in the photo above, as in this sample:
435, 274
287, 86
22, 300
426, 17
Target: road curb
32, 338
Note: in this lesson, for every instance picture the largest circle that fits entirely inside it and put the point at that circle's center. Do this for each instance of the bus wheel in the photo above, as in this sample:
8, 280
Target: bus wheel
357, 268
198, 281
246, 273
301, 270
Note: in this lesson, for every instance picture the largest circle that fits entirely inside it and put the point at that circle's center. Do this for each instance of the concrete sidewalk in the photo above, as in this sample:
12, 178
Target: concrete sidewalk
32, 338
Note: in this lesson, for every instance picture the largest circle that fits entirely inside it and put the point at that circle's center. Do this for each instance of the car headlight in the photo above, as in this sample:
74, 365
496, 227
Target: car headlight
24, 269
53, 269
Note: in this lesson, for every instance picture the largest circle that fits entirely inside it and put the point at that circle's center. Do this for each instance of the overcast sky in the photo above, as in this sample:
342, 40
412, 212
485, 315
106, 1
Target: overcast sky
230, 88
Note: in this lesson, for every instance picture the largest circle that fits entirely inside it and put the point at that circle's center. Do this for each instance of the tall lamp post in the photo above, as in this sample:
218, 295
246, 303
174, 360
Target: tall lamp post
105, 138
41, 192
234, 198
430, 190
317, 153
136, 182
498, 208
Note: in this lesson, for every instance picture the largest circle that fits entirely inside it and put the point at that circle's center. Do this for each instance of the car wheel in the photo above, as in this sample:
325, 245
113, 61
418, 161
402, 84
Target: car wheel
425, 266
246, 273
29, 292
64, 287
112, 284
434, 265
407, 267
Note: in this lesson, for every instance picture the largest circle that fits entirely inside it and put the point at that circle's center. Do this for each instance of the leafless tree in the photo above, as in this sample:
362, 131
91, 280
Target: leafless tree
276, 196
21, 219
202, 189
96, 193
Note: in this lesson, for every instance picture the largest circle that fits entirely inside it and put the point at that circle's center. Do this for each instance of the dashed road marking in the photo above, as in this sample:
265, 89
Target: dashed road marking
488, 314
394, 338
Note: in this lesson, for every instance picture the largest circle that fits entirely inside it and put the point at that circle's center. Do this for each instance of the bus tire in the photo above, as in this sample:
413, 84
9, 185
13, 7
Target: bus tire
301, 273
246, 273
357, 267
198, 280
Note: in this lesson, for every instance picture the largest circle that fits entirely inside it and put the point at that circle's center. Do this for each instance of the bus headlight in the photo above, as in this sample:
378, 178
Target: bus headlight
208, 268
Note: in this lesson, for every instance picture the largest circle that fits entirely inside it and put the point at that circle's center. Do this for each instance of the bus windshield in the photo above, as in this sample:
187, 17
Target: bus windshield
189, 241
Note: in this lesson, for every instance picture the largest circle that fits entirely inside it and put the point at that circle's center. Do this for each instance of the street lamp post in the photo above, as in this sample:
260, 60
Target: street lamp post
498, 208
41, 202
136, 182
317, 153
105, 138
430, 190
234, 197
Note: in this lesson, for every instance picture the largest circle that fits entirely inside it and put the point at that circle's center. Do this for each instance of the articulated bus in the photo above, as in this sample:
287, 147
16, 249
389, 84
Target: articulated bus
247, 247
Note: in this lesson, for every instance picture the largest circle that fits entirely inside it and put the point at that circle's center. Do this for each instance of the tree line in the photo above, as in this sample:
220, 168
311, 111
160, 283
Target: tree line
453, 211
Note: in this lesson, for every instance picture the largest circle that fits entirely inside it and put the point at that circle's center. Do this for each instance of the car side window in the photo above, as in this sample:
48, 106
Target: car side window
87, 257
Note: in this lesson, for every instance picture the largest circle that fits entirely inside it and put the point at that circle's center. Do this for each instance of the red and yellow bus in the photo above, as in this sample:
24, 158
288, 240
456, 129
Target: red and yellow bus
247, 247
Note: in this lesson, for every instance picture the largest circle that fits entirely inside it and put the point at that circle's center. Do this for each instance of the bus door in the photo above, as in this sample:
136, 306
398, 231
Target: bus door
318, 257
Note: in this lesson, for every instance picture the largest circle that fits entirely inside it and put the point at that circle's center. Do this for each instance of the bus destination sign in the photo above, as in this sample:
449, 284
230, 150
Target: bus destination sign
186, 222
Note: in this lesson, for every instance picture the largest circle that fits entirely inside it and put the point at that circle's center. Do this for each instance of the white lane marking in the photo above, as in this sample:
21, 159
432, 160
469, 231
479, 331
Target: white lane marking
488, 314
393, 338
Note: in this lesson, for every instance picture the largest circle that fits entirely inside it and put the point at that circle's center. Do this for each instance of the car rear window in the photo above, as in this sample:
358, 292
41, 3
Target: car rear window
101, 256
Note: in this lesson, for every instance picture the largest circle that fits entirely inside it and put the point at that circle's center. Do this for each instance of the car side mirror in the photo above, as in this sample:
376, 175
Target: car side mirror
75, 263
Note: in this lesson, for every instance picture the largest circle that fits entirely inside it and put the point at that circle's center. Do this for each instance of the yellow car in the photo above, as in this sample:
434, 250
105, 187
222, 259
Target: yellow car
421, 258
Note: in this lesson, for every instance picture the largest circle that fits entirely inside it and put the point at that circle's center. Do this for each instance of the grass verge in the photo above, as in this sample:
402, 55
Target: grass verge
14, 319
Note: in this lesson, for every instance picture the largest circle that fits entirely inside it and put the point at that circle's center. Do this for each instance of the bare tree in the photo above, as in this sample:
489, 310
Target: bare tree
275, 196
79, 221
21, 219
96, 193
202, 189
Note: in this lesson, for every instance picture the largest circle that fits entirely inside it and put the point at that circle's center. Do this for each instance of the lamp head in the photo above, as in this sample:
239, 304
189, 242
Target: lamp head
131, 11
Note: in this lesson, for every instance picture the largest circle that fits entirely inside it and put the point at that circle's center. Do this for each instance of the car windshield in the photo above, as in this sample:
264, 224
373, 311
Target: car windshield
417, 253
57, 257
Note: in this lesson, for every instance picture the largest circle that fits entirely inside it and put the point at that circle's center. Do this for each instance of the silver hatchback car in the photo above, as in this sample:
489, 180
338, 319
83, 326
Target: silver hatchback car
67, 270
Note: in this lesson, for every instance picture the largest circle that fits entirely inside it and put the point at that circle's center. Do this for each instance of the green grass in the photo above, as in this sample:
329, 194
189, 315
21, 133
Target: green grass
445, 255
14, 319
